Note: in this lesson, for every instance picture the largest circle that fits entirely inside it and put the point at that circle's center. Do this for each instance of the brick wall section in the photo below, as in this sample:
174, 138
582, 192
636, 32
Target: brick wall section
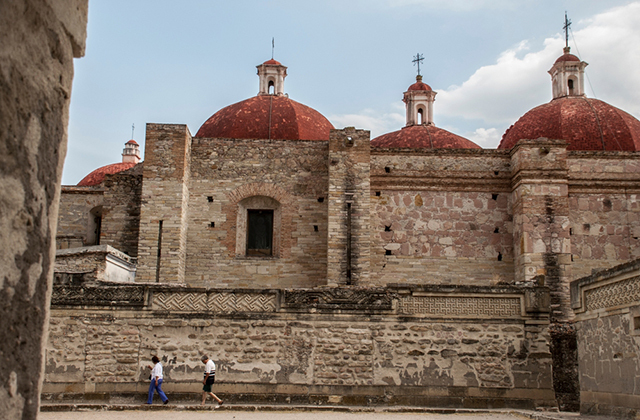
541, 219
293, 173
121, 215
165, 198
604, 196
441, 217
74, 215
349, 185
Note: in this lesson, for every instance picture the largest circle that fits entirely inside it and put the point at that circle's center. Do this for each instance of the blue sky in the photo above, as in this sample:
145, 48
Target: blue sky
180, 62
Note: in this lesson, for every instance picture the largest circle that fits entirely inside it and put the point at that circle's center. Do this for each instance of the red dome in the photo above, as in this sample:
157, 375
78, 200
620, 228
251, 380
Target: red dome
567, 57
419, 86
272, 62
132, 142
267, 117
586, 124
423, 137
96, 177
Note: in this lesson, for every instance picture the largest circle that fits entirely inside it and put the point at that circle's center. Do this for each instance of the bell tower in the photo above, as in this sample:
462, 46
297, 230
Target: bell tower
567, 73
419, 100
271, 74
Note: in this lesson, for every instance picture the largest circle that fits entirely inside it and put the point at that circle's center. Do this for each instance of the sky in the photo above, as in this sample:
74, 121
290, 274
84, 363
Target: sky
164, 61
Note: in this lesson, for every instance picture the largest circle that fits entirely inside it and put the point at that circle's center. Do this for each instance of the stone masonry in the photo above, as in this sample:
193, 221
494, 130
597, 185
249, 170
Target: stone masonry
40, 38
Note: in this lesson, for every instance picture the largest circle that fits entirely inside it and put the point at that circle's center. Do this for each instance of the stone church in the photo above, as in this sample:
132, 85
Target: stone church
315, 264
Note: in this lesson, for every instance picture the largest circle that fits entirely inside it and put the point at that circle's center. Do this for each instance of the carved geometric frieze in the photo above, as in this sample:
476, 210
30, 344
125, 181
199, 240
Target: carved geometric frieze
472, 306
340, 298
625, 292
95, 295
226, 302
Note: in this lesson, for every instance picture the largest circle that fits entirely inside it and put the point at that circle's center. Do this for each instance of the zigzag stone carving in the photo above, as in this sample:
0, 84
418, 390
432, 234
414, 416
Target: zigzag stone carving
624, 292
225, 302
340, 298
96, 295
473, 306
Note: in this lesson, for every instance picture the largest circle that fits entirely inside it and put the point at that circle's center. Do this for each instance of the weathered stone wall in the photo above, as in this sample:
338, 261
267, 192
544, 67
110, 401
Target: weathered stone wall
607, 306
39, 40
441, 217
226, 172
604, 206
477, 347
93, 263
121, 216
164, 203
75, 221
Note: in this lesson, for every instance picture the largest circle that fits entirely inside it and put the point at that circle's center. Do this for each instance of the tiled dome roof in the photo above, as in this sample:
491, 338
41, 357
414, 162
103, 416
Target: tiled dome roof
567, 57
267, 117
586, 124
96, 177
272, 62
419, 85
423, 137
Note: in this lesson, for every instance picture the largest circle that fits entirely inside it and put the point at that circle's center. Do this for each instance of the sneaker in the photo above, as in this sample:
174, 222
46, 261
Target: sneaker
166, 402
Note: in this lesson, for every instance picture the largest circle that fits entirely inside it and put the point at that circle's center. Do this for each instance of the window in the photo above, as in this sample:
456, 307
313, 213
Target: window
258, 227
420, 116
259, 232
570, 85
94, 228
272, 87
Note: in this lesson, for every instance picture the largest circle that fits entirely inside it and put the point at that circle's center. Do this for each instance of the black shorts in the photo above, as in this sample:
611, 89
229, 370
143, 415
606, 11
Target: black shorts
210, 381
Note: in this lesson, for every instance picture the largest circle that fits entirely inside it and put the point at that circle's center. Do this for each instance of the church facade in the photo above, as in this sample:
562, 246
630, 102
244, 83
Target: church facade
416, 264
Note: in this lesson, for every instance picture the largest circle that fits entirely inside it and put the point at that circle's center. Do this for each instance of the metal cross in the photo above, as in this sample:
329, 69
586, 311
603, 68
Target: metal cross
133, 127
417, 60
567, 24
273, 46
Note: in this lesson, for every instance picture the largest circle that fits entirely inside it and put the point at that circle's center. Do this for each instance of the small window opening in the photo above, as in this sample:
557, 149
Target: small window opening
496, 172
259, 232
272, 87
570, 85
570, 231
315, 228
571, 257
494, 196
320, 199
387, 252
387, 169
210, 199
636, 323
496, 230
420, 116
499, 256
387, 228
377, 193
212, 224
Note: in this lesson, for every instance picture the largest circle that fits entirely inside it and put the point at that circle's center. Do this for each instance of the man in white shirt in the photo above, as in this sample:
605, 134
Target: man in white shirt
156, 381
209, 379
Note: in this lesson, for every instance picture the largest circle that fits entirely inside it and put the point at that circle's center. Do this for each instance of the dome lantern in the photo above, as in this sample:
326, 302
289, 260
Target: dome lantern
419, 100
567, 75
271, 74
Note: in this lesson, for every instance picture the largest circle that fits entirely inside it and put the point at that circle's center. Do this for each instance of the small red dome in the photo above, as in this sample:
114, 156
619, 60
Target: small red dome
132, 142
272, 62
423, 137
567, 57
96, 177
267, 117
585, 123
419, 86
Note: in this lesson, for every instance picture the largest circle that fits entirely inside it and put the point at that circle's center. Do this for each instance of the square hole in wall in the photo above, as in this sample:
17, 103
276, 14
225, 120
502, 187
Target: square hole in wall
210, 199
212, 224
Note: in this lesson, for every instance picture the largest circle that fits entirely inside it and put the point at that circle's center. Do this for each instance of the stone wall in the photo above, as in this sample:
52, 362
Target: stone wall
434, 346
226, 173
93, 263
441, 217
604, 210
40, 38
607, 306
75, 218
121, 216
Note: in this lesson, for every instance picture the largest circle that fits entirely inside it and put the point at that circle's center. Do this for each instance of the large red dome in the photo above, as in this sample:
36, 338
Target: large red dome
423, 137
267, 117
586, 124
96, 177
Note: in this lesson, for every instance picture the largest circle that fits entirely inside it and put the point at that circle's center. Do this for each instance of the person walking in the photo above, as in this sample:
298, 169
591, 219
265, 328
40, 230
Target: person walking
209, 379
156, 381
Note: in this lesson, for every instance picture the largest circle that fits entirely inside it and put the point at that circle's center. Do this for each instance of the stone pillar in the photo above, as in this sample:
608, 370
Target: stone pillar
542, 247
349, 196
165, 198
39, 39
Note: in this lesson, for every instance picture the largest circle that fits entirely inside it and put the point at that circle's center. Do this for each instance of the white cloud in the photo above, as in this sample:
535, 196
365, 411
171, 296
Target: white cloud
500, 93
371, 120
487, 138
